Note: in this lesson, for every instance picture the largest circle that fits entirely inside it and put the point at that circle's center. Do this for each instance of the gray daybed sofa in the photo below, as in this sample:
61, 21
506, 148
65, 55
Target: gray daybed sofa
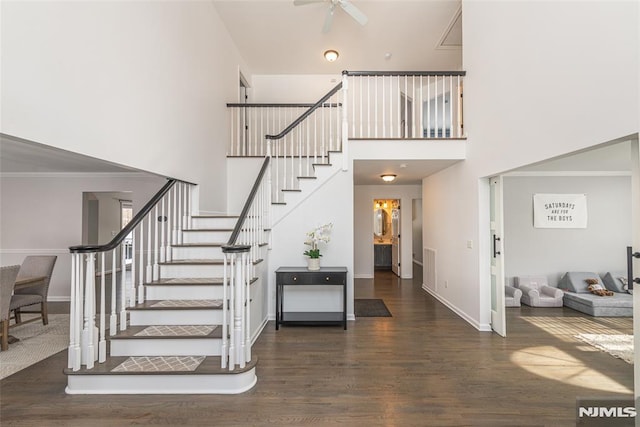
578, 297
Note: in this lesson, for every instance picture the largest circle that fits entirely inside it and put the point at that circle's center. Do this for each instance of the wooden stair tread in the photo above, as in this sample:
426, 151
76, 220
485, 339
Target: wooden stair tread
215, 304
209, 281
199, 245
215, 216
192, 230
131, 332
193, 262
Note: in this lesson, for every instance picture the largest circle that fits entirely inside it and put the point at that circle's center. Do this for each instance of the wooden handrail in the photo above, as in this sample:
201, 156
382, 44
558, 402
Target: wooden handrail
306, 114
404, 73
131, 225
263, 105
229, 247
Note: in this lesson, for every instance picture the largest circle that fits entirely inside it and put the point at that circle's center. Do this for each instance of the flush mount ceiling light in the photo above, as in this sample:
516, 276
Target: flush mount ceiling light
331, 55
388, 177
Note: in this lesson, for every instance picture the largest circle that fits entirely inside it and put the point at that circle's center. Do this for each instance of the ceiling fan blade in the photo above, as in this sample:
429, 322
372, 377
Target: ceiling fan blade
354, 12
328, 21
303, 2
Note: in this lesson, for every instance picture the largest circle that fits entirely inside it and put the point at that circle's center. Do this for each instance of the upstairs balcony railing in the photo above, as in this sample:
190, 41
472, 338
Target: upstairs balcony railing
375, 105
364, 105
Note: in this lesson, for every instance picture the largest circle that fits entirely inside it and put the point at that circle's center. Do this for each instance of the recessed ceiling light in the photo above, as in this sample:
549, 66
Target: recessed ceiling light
403, 165
331, 55
388, 177
387, 56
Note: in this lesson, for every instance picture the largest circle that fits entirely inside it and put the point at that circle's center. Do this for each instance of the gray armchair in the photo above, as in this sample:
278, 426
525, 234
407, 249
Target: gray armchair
536, 291
512, 296
7, 281
36, 292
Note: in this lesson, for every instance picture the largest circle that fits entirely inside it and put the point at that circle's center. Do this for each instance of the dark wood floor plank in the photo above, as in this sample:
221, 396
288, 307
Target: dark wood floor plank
424, 366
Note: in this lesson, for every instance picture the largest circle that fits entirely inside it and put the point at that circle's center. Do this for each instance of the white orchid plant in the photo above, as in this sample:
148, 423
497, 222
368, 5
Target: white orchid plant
315, 236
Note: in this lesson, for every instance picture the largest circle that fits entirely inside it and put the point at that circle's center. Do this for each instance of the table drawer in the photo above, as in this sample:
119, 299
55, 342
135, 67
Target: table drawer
311, 278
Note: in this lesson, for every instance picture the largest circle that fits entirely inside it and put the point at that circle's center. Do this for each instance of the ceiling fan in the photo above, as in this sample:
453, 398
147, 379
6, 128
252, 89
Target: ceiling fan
346, 5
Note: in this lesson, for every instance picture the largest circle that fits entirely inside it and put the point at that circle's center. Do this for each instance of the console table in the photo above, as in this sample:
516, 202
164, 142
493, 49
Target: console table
301, 276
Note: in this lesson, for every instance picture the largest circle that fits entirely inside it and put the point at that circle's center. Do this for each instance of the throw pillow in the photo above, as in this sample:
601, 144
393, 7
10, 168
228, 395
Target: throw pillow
625, 284
597, 289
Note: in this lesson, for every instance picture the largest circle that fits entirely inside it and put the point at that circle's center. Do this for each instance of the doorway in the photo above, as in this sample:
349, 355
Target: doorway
386, 235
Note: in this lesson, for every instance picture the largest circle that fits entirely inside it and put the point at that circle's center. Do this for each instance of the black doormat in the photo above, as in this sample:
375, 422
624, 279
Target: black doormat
370, 308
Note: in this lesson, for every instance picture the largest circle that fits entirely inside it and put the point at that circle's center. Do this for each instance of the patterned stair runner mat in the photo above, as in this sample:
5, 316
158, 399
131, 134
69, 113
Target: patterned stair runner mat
160, 364
176, 330
189, 303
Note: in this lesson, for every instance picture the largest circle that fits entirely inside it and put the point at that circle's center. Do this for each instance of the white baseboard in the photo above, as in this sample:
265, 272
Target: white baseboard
58, 299
363, 276
479, 326
255, 336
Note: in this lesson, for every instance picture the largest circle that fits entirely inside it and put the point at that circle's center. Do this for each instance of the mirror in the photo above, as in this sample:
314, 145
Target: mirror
379, 222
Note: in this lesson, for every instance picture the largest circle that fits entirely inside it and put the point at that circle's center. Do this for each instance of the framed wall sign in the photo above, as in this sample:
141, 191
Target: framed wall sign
560, 210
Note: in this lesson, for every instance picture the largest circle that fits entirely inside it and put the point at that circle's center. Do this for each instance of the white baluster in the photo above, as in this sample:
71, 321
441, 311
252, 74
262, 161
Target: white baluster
102, 346
123, 281
460, 104
149, 270
428, 106
384, 105
231, 296
345, 123
141, 267
178, 209
413, 109
156, 245
444, 108
88, 350
163, 236
113, 319
450, 106
421, 118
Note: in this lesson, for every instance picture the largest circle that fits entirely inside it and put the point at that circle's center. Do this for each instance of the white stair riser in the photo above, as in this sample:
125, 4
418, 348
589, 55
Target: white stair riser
206, 236
194, 271
161, 383
207, 252
176, 292
175, 317
213, 222
166, 346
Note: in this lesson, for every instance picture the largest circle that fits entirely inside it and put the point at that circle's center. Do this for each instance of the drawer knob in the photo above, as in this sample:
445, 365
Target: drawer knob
326, 278
295, 278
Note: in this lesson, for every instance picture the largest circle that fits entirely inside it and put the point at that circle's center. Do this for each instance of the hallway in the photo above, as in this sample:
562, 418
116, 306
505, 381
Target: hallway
424, 366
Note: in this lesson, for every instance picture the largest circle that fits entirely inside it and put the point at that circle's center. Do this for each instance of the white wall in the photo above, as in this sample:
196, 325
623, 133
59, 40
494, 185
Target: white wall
530, 94
42, 215
363, 225
598, 248
333, 202
303, 89
143, 84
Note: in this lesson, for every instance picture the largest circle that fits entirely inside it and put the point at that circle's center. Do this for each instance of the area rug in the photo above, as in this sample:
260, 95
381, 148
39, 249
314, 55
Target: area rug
620, 346
37, 342
370, 308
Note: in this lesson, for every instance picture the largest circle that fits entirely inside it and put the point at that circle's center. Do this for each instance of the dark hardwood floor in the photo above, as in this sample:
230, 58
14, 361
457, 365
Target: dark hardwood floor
422, 367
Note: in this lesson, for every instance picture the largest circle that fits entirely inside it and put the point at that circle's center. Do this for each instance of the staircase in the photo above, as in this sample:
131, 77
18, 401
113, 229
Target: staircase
174, 341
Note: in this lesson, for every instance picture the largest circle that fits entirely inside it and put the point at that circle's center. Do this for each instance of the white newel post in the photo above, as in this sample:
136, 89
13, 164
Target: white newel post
239, 309
345, 122
225, 308
71, 363
102, 344
88, 349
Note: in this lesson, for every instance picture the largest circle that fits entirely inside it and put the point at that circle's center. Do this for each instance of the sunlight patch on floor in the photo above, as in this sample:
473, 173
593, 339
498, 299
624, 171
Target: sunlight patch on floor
565, 328
554, 364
